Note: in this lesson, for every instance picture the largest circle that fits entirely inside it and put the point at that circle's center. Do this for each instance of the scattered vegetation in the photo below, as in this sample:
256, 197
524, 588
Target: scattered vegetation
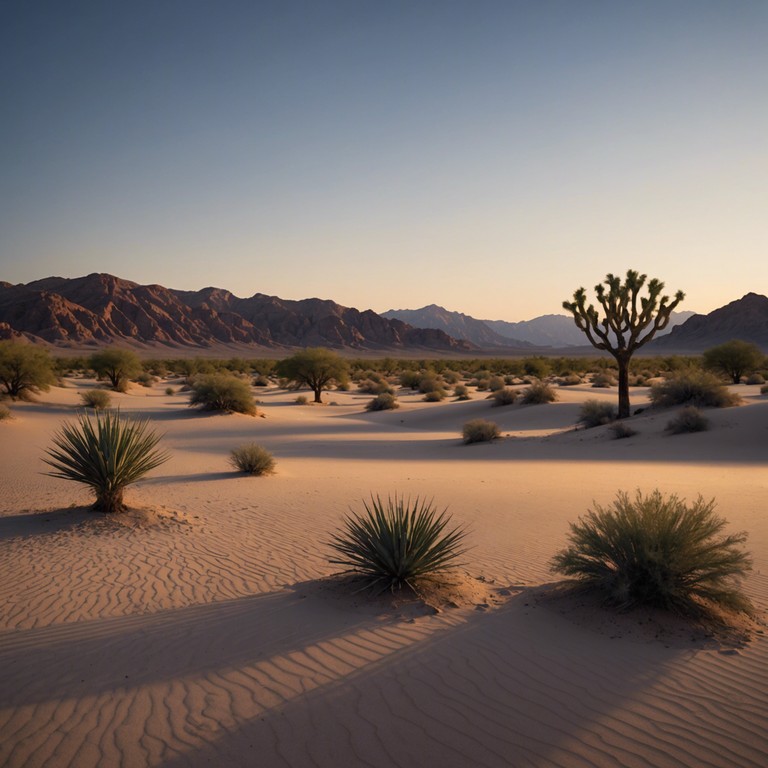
692, 387
222, 392
107, 455
396, 543
118, 366
690, 419
252, 459
504, 396
596, 413
25, 370
657, 551
538, 393
98, 399
734, 359
386, 401
603, 380
480, 431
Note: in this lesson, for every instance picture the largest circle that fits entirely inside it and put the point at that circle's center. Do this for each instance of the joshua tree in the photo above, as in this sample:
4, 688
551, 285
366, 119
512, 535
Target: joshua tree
627, 316
314, 367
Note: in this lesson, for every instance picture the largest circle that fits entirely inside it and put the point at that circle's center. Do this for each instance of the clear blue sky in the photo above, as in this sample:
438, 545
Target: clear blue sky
487, 156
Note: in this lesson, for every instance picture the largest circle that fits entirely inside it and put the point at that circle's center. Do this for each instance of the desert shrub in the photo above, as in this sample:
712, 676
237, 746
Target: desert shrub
603, 380
480, 431
107, 455
301, 400
462, 392
690, 419
396, 543
170, 391
621, 430
504, 396
5, 412
25, 370
145, 379
375, 387
252, 459
652, 550
690, 387
431, 383
260, 380
495, 383
451, 377
539, 392
537, 367
386, 401
434, 396
764, 390
98, 399
222, 392
571, 380
410, 379
595, 413
756, 378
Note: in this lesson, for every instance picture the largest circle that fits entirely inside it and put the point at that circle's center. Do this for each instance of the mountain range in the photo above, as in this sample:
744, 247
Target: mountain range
102, 309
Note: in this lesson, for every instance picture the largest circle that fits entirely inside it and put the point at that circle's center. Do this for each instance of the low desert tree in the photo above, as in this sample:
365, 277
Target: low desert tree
117, 366
394, 544
222, 392
24, 370
106, 454
735, 358
629, 320
657, 551
315, 368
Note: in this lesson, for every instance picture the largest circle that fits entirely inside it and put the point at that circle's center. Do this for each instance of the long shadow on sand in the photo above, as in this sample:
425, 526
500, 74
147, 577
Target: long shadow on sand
31, 524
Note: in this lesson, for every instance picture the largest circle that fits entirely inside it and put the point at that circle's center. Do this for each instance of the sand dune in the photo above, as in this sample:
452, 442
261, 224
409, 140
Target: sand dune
202, 629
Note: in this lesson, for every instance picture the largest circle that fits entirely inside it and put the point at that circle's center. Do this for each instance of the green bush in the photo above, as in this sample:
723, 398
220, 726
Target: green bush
690, 419
170, 391
657, 551
622, 430
395, 544
690, 387
603, 380
462, 392
252, 459
25, 370
301, 400
495, 383
435, 396
106, 455
596, 413
538, 393
374, 387
410, 379
504, 396
98, 399
571, 380
386, 401
480, 431
260, 381
145, 379
222, 392
755, 378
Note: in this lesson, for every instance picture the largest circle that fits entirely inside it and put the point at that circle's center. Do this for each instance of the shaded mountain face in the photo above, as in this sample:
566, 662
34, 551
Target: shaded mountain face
455, 324
745, 319
101, 309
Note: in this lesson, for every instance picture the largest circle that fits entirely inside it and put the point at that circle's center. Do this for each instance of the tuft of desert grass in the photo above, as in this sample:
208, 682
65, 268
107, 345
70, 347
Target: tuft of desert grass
538, 393
690, 419
386, 401
98, 399
503, 396
252, 459
596, 413
480, 431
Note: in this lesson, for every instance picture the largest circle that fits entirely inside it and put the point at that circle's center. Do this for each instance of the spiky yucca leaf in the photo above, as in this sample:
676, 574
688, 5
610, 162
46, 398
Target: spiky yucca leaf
106, 455
657, 551
397, 542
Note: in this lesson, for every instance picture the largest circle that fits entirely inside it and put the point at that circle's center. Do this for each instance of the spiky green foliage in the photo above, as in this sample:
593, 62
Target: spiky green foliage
116, 365
480, 431
538, 393
395, 543
98, 399
658, 551
25, 370
691, 387
735, 359
222, 392
596, 413
383, 402
627, 315
106, 454
252, 459
316, 368
690, 419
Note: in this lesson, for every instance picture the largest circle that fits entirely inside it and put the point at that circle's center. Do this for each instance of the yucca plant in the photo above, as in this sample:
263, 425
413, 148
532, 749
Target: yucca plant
107, 455
395, 543
652, 550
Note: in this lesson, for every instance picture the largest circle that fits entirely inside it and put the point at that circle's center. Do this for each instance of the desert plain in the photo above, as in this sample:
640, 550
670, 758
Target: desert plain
205, 627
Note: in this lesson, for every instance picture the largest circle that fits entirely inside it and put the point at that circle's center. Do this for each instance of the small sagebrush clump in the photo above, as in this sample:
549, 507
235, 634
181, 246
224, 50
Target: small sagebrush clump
252, 459
383, 402
622, 430
603, 380
301, 400
657, 551
690, 419
222, 392
504, 396
538, 393
462, 392
98, 399
480, 431
396, 543
692, 387
170, 391
596, 413
435, 396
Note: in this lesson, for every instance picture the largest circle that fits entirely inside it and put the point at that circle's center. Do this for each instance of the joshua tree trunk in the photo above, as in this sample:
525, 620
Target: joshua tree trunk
623, 386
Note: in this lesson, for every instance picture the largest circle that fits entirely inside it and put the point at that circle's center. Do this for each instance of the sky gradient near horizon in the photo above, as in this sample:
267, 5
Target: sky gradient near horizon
487, 156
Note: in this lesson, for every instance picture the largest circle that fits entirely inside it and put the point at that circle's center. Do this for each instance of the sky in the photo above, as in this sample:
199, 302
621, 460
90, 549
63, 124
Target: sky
487, 156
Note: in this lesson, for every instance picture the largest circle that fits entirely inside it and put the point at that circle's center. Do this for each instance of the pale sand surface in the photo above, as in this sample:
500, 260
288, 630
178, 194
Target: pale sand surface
202, 630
